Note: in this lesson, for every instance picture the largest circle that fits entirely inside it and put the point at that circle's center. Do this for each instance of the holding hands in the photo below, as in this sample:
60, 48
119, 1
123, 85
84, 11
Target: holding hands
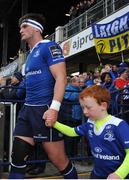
50, 117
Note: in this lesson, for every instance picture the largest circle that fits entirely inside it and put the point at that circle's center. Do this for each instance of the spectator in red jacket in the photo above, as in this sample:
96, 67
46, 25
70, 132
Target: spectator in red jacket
123, 79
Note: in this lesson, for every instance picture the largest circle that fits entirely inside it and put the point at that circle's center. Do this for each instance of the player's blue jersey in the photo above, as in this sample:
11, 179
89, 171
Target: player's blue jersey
39, 80
108, 144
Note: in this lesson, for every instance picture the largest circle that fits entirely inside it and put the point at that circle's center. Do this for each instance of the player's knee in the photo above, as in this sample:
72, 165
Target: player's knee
20, 152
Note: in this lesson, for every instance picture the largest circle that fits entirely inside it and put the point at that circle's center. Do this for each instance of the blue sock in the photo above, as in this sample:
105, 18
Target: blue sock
70, 172
16, 175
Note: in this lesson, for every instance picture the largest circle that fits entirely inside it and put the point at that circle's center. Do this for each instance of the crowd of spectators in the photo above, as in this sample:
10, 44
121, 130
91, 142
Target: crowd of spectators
114, 78
80, 7
11, 87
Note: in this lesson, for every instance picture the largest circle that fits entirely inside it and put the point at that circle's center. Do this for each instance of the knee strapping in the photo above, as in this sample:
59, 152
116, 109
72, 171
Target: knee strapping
21, 150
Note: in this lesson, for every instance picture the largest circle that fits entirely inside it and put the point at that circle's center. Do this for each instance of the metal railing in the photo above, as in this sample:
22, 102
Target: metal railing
99, 11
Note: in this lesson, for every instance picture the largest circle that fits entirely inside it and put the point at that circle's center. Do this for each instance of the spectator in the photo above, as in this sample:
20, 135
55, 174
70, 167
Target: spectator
115, 71
2, 81
108, 68
122, 84
89, 79
72, 13
107, 82
92, 2
12, 87
123, 65
81, 8
85, 5
123, 79
96, 78
97, 81
71, 112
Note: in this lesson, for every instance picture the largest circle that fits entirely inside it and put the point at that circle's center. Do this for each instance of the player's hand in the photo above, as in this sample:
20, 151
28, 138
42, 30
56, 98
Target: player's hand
113, 176
50, 117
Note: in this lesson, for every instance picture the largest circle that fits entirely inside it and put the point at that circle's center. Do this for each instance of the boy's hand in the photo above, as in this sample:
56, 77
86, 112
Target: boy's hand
113, 176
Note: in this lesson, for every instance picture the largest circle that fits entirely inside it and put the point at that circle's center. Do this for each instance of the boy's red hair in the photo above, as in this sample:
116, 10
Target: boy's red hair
101, 94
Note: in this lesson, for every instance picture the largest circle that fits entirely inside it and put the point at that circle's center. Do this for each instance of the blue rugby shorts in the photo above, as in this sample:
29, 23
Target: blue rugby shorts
31, 124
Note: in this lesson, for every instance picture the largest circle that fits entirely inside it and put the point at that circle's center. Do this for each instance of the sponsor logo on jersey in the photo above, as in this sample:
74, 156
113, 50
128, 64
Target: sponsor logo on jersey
91, 125
37, 53
33, 72
105, 156
108, 127
109, 136
98, 149
90, 132
126, 142
55, 51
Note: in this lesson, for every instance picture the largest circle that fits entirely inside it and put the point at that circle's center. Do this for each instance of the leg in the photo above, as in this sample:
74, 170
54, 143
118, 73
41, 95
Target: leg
56, 153
20, 152
39, 154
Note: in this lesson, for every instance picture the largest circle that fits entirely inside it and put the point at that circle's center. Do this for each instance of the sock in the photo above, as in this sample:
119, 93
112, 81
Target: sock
70, 172
16, 175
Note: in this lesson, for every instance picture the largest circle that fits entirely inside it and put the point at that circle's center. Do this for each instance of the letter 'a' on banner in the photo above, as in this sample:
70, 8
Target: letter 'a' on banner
112, 37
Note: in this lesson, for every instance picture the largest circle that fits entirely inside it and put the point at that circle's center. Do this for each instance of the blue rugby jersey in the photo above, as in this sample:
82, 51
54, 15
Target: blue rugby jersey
39, 80
107, 145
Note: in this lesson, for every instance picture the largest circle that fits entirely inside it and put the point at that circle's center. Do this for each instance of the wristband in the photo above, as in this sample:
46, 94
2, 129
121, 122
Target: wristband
55, 105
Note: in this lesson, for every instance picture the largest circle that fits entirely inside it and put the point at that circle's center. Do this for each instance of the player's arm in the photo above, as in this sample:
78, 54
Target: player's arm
123, 170
59, 73
64, 129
